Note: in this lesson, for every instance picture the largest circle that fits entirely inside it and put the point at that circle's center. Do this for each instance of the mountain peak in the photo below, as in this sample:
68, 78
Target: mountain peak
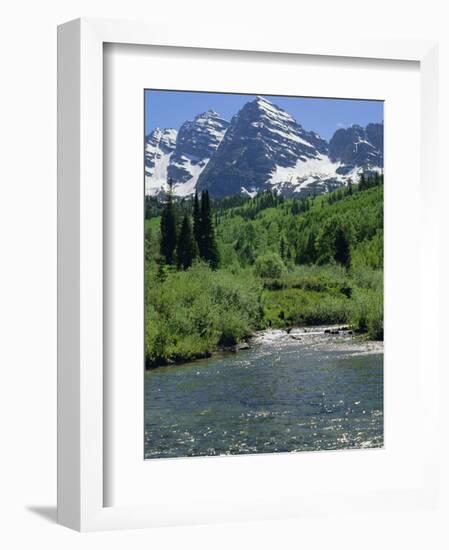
261, 137
261, 99
210, 114
270, 110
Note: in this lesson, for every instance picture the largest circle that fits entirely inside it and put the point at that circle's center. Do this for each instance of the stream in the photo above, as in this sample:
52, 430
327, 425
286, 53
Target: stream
303, 390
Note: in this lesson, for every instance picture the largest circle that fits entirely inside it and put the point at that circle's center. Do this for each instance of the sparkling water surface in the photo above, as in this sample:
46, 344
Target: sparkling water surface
283, 394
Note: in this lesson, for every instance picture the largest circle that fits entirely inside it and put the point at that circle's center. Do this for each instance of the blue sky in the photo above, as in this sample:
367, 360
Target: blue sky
167, 109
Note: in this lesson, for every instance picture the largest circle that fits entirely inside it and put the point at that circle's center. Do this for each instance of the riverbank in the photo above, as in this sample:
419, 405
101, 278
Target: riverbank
323, 338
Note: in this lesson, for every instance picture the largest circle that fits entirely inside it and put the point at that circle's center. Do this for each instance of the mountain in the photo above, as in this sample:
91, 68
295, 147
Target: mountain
185, 157
263, 147
159, 147
357, 146
260, 138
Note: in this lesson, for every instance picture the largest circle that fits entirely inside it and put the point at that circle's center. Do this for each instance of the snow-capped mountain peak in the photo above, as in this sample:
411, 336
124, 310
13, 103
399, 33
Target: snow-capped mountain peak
182, 156
263, 147
272, 111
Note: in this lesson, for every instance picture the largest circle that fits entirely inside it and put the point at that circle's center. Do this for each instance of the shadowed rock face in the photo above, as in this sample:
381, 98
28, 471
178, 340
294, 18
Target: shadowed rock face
197, 141
375, 135
357, 146
263, 147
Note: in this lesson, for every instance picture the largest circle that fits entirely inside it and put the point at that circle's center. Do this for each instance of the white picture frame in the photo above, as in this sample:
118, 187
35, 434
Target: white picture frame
81, 386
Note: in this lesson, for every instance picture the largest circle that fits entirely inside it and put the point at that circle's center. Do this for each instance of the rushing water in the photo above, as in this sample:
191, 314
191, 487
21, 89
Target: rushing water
312, 392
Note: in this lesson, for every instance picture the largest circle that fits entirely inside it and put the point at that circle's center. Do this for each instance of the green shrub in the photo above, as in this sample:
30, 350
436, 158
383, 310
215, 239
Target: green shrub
316, 278
192, 312
269, 266
370, 252
366, 314
298, 307
368, 278
329, 310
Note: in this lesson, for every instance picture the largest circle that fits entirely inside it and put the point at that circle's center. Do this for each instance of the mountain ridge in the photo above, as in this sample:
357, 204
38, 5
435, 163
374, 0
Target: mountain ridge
262, 147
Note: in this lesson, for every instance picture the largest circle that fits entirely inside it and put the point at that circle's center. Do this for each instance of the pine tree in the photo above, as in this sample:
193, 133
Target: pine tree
342, 251
311, 248
376, 178
282, 247
362, 183
161, 274
168, 227
196, 220
187, 249
208, 245
148, 240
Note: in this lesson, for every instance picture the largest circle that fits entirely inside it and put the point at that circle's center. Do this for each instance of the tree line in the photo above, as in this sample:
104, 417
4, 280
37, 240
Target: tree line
190, 229
182, 243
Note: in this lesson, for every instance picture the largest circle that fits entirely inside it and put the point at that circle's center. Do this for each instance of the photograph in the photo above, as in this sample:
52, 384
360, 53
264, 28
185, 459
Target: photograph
263, 269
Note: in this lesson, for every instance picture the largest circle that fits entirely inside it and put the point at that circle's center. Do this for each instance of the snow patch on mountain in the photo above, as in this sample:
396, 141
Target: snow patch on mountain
158, 175
159, 147
290, 136
194, 168
252, 192
305, 171
319, 174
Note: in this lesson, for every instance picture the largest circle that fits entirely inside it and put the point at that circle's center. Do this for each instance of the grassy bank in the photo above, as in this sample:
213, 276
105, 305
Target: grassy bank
317, 295
190, 313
